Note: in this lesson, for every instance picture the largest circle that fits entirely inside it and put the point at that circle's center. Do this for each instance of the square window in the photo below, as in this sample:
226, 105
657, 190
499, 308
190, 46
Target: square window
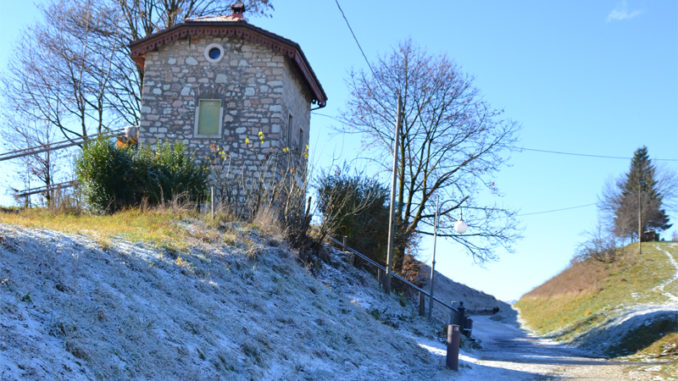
208, 117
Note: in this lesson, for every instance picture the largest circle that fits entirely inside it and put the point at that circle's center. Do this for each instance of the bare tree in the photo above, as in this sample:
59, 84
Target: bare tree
41, 167
601, 246
451, 143
73, 68
60, 72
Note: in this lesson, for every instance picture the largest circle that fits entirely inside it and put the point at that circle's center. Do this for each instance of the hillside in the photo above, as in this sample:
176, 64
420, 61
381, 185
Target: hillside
629, 307
476, 302
164, 296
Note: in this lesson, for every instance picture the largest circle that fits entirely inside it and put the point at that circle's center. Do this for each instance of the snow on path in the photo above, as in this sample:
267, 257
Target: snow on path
660, 287
509, 353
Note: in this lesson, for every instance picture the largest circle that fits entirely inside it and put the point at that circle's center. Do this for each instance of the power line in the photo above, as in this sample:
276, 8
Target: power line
537, 149
583, 154
355, 38
556, 210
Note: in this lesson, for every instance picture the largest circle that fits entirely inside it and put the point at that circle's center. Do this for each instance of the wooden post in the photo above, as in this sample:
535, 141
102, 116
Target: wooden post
212, 201
452, 358
640, 221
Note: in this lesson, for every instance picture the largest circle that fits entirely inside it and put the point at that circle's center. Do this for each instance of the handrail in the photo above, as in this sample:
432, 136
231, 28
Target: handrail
43, 189
397, 276
54, 146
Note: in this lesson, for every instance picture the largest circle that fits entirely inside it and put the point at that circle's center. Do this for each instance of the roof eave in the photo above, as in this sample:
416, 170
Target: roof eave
291, 49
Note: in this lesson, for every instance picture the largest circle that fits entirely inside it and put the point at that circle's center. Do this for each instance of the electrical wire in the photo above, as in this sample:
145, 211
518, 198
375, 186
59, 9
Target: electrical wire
556, 210
537, 149
355, 38
583, 154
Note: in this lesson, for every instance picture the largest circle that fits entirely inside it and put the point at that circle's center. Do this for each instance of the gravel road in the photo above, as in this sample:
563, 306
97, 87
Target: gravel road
526, 357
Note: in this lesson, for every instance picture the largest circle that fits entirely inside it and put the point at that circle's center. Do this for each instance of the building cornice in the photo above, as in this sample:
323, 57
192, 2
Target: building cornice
238, 29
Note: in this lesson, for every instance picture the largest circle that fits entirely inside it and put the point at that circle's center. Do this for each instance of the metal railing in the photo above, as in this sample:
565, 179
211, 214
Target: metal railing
54, 146
382, 268
45, 189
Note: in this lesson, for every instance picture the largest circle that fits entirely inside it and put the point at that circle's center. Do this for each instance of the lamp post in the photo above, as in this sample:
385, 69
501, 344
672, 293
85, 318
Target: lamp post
459, 227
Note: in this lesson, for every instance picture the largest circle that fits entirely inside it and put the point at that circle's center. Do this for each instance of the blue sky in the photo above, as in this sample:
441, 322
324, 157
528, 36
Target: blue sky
578, 76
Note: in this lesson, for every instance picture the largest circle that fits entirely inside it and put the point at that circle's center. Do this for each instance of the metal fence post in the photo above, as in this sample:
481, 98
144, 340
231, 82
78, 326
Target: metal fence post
422, 306
452, 358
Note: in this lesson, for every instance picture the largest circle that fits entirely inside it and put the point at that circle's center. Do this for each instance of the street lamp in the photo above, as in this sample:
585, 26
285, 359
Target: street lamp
459, 227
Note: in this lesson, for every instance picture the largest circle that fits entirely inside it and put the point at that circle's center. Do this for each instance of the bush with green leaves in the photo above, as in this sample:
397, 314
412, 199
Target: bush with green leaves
355, 206
113, 179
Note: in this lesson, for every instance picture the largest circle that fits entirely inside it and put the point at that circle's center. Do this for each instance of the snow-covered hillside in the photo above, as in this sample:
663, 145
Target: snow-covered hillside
448, 290
72, 310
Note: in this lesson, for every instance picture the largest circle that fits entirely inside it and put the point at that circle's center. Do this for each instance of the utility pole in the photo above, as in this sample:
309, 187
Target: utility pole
433, 262
391, 222
640, 222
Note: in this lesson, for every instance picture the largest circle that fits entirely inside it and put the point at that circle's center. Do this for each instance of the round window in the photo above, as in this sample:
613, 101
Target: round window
214, 52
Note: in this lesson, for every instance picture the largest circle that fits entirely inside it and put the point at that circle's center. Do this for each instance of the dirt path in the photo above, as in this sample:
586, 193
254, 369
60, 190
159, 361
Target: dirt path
524, 357
660, 287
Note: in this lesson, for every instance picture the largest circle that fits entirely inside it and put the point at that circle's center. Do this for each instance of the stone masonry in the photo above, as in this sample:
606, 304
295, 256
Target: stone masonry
262, 91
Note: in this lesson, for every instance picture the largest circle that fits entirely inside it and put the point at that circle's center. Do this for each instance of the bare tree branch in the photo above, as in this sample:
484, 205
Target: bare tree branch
452, 143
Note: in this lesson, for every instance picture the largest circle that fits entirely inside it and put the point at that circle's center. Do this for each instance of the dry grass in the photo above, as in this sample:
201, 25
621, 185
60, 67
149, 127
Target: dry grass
157, 226
266, 220
588, 293
582, 277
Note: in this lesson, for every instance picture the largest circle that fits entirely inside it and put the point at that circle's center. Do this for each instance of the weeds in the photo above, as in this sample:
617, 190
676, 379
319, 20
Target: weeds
643, 337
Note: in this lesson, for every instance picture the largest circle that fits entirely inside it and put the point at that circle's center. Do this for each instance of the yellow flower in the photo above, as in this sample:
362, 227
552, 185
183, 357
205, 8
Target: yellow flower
261, 133
247, 140
286, 150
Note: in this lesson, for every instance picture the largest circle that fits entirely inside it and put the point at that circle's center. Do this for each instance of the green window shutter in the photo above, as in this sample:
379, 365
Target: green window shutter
209, 117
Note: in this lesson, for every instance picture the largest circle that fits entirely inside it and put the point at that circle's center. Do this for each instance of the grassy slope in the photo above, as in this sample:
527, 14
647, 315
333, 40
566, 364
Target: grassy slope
587, 294
232, 304
157, 227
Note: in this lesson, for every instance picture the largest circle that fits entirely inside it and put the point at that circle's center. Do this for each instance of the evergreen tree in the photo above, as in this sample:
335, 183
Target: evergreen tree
638, 203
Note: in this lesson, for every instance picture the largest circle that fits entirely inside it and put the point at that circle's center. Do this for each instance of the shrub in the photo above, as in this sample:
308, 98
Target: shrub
112, 178
106, 176
175, 173
600, 247
355, 206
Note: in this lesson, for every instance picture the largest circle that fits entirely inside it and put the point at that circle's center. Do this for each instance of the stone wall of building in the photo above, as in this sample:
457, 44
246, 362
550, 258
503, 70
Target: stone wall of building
259, 91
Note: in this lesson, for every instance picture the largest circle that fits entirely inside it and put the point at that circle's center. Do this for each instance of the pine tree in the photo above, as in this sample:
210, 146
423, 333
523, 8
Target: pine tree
638, 205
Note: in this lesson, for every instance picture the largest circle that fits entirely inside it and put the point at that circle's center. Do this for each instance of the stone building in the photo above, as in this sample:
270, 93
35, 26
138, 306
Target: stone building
228, 90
